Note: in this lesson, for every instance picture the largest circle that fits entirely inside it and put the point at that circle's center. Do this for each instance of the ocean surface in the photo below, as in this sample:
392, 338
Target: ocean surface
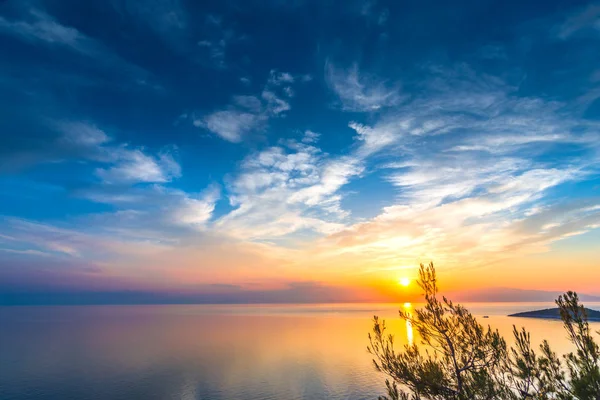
211, 352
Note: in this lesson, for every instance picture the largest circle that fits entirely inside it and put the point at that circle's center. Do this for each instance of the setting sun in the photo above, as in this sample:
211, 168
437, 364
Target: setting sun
404, 282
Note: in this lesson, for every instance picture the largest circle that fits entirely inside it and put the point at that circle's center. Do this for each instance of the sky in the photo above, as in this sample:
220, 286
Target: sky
296, 151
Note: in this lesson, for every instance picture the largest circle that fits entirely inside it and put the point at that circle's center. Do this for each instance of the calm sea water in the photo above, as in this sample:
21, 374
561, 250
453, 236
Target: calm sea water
209, 352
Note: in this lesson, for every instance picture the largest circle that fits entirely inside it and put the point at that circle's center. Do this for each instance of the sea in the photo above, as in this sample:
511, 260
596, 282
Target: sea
214, 352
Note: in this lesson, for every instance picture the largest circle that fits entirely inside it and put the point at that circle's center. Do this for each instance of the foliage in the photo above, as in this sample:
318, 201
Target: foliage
459, 359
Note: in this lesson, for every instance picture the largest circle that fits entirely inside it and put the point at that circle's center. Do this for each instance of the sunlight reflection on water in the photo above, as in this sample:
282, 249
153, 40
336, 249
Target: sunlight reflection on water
409, 328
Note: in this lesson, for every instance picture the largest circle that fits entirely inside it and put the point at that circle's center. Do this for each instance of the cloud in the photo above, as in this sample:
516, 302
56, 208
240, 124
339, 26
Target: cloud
374, 139
202, 39
127, 165
130, 250
38, 27
115, 163
45, 238
216, 51
475, 112
286, 189
231, 125
152, 211
250, 103
372, 12
586, 18
249, 113
167, 22
80, 134
358, 92
135, 166
165, 16
482, 156
310, 137
510, 131
196, 212
136, 232
470, 233
275, 105
333, 175
42, 27
474, 162
217, 37
281, 78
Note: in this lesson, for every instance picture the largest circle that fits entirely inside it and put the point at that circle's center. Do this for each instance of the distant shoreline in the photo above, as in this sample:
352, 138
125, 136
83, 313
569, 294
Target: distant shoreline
554, 313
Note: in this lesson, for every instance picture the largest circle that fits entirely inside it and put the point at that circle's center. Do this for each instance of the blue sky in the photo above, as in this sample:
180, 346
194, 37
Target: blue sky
222, 147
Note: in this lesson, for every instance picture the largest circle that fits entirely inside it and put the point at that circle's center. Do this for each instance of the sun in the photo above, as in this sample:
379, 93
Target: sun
404, 282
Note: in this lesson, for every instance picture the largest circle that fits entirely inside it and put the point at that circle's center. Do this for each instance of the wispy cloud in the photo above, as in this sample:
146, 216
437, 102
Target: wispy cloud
249, 113
231, 125
135, 166
586, 18
374, 12
360, 92
45, 237
475, 161
469, 233
165, 16
196, 212
216, 40
151, 211
36, 26
114, 162
374, 139
167, 20
285, 189
216, 50
134, 233
42, 27
473, 114
334, 174
127, 165
203, 40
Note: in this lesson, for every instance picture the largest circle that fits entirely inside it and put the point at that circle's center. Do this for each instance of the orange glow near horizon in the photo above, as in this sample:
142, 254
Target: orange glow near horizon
348, 278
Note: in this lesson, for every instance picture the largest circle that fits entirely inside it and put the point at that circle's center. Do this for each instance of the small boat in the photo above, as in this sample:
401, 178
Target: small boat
485, 316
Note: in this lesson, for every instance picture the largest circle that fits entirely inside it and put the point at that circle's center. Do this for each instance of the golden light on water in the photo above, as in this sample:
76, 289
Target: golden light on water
409, 328
409, 332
